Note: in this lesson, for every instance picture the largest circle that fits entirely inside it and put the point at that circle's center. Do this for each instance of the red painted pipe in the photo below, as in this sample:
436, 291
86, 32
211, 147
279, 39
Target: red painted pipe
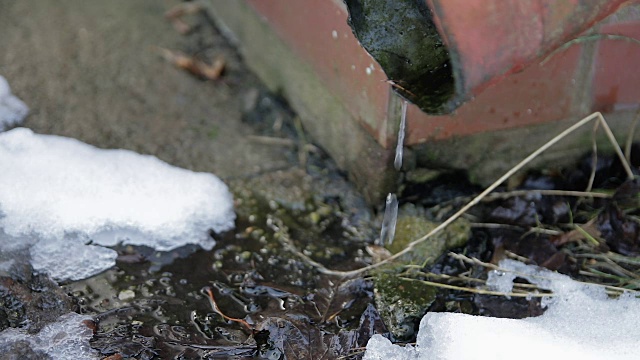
489, 39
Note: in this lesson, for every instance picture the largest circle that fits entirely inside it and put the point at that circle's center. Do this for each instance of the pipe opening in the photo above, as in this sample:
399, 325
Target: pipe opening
403, 38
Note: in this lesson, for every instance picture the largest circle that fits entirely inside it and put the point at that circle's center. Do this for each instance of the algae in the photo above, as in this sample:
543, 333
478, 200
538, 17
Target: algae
413, 224
404, 40
401, 302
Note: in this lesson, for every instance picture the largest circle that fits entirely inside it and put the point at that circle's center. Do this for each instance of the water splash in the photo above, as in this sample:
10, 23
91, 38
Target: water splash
388, 231
397, 162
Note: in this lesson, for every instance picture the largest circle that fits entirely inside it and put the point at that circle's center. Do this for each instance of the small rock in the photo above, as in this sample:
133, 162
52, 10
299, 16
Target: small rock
126, 295
401, 303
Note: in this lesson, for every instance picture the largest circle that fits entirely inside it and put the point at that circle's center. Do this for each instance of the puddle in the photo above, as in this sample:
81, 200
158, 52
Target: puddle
145, 309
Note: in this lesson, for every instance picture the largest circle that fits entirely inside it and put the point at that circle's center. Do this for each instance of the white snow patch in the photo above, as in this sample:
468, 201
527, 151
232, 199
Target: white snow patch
581, 322
65, 339
67, 194
12, 109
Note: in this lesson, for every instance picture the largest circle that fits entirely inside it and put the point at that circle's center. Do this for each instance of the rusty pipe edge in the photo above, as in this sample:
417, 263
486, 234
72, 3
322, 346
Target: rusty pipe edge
440, 53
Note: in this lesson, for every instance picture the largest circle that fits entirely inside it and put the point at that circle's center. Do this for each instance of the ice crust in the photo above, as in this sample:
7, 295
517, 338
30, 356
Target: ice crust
65, 339
581, 322
12, 109
74, 199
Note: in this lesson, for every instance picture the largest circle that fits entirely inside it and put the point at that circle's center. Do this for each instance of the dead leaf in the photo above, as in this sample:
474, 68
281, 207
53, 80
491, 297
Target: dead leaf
580, 233
378, 253
620, 231
331, 299
195, 66
538, 248
371, 324
626, 195
286, 339
175, 14
517, 211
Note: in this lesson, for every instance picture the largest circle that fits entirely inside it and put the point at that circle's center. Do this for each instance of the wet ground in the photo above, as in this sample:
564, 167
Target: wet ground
93, 71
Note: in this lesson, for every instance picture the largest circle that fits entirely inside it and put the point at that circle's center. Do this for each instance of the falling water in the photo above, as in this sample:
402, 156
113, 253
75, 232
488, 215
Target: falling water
397, 162
388, 231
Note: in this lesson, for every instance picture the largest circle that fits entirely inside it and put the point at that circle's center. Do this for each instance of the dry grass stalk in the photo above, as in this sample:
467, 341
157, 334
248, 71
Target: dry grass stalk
595, 116
611, 290
629, 142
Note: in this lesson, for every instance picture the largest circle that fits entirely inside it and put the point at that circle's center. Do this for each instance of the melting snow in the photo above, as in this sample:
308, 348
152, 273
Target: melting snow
65, 339
581, 322
70, 199
12, 109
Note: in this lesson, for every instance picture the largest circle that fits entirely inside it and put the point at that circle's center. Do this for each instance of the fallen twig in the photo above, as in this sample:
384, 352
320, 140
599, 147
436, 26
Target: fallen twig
508, 194
594, 157
411, 246
481, 291
215, 308
281, 234
629, 142
610, 289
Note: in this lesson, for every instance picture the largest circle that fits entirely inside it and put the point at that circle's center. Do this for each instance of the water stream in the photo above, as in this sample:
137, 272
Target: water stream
397, 162
388, 230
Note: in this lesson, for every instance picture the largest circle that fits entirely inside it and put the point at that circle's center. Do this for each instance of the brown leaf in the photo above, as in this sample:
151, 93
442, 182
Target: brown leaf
193, 65
370, 324
114, 357
626, 195
186, 8
175, 14
620, 231
331, 299
589, 228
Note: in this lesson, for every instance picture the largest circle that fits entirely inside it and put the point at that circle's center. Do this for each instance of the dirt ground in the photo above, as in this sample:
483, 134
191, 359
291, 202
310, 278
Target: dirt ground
92, 71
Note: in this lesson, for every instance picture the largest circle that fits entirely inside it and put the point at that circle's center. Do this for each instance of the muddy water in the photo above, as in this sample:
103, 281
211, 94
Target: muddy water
155, 305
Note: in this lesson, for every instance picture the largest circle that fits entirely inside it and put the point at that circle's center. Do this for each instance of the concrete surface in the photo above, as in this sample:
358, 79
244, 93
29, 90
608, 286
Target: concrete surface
321, 109
90, 70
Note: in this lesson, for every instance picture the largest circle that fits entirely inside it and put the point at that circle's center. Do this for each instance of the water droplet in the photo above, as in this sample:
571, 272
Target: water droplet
334, 34
389, 220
